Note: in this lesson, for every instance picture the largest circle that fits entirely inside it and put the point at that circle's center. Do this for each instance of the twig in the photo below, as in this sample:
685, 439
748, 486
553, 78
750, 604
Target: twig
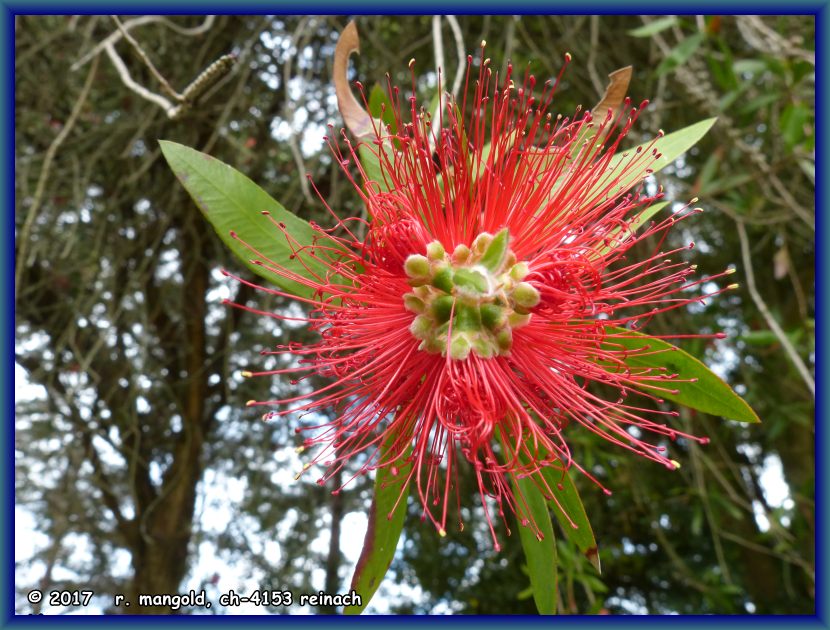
696, 83
591, 61
438, 46
141, 21
699, 476
792, 559
140, 52
289, 108
143, 92
40, 188
509, 42
459, 49
763, 38
762, 307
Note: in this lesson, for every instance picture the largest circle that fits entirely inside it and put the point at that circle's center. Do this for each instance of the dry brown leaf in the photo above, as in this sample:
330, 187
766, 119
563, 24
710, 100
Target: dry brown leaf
614, 93
356, 118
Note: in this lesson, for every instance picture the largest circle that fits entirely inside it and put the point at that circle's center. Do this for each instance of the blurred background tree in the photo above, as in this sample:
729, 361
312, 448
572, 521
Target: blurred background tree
138, 467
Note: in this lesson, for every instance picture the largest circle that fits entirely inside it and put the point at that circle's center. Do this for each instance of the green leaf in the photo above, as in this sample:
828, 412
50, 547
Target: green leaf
759, 337
749, 66
569, 504
635, 224
233, 203
540, 554
754, 104
670, 147
380, 107
727, 183
655, 27
371, 164
709, 171
707, 392
794, 124
494, 255
680, 54
384, 527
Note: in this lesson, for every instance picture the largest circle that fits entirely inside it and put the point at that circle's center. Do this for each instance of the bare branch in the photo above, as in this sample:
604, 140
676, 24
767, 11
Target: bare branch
153, 70
142, 91
25, 232
459, 50
141, 21
771, 321
438, 47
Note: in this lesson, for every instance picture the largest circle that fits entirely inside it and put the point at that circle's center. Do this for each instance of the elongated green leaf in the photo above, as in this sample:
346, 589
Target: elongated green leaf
654, 27
380, 107
371, 164
383, 532
680, 54
568, 508
635, 224
540, 552
706, 392
670, 147
234, 204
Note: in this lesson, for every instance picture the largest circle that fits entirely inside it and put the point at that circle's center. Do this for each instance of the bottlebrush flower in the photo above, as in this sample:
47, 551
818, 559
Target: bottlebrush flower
473, 322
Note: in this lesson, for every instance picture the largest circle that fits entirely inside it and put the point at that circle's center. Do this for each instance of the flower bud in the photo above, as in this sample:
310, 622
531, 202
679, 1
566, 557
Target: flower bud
526, 295
417, 266
435, 251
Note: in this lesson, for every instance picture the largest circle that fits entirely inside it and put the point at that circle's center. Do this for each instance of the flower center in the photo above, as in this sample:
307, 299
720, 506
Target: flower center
470, 300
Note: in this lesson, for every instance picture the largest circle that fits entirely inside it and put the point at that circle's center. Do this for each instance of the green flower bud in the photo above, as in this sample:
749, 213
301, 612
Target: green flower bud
481, 242
421, 327
519, 271
442, 307
478, 293
413, 303
435, 251
470, 280
461, 255
443, 279
417, 266
504, 339
460, 347
517, 320
483, 346
493, 316
526, 295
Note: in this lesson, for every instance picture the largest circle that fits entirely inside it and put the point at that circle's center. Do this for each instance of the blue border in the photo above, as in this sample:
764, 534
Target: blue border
422, 7
822, 28
358, 7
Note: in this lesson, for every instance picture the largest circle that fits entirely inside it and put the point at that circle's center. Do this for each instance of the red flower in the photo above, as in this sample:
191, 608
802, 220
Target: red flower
495, 258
